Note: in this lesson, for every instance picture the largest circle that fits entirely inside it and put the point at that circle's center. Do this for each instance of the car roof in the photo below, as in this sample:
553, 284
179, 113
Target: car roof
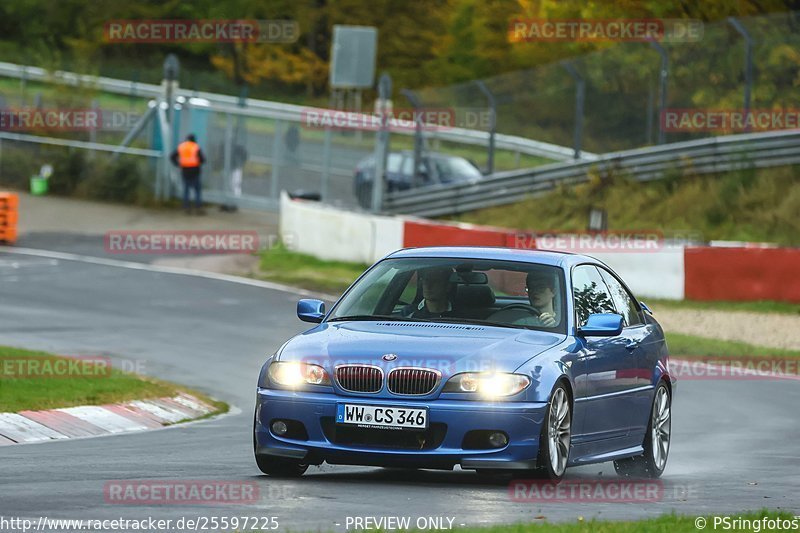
544, 257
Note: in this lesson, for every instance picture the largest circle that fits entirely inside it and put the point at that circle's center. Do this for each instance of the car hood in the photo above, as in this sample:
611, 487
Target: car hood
450, 348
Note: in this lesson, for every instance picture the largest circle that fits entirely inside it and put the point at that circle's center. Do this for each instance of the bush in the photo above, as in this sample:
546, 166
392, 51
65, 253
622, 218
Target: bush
78, 173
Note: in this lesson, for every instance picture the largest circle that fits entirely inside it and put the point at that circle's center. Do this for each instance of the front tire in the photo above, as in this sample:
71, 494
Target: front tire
555, 438
276, 466
653, 461
279, 467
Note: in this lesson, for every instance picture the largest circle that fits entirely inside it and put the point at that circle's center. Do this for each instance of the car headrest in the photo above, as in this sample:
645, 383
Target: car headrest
474, 296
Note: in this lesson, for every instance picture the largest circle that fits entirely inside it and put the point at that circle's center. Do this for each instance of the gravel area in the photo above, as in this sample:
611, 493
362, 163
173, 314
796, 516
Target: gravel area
760, 329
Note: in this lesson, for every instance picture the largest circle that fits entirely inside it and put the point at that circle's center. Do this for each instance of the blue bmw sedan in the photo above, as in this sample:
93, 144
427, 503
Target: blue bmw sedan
488, 358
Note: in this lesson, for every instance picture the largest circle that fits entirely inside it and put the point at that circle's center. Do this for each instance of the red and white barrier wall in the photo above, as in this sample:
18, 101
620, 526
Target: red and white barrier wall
670, 272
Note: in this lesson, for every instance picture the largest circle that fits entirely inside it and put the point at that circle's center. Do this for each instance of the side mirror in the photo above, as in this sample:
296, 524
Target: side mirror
602, 325
311, 310
645, 308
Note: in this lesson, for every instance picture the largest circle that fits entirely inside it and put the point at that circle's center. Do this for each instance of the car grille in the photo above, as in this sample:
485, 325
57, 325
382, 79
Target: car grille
413, 381
359, 378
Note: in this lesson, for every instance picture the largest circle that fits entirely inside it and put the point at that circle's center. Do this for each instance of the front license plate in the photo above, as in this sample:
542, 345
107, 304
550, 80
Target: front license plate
382, 416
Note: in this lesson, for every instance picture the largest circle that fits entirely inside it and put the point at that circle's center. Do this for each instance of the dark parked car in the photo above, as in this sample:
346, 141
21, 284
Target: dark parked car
433, 169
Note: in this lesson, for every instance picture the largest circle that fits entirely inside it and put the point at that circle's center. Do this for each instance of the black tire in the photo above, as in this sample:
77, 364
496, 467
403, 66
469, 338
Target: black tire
280, 467
647, 465
276, 466
545, 468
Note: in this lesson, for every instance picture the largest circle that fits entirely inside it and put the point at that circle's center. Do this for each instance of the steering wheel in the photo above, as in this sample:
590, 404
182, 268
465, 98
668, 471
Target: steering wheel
525, 307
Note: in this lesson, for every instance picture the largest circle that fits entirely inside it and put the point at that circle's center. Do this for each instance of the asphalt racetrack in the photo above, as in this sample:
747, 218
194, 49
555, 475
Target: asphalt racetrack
735, 443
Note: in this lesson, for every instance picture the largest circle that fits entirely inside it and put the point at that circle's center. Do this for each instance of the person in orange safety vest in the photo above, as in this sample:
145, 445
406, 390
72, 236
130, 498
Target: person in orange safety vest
189, 157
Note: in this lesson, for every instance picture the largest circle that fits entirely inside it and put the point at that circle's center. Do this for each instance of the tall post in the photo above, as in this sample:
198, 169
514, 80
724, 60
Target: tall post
381, 141
580, 94
170, 86
748, 66
171, 70
326, 164
227, 153
492, 124
276, 159
663, 76
417, 105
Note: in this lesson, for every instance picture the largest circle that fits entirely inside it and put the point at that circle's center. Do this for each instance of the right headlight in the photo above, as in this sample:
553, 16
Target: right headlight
293, 374
489, 385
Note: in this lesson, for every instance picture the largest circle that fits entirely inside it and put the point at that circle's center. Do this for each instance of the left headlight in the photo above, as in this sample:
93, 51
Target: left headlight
488, 385
292, 374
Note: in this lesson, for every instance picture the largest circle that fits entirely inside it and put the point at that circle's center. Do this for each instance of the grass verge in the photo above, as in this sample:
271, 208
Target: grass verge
744, 205
306, 271
664, 524
31, 380
763, 306
691, 346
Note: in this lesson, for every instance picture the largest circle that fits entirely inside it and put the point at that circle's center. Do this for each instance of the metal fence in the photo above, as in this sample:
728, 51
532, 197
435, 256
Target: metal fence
622, 85
267, 143
272, 149
689, 157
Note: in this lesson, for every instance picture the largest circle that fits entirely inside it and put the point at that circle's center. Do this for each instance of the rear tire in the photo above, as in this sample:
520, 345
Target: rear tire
653, 461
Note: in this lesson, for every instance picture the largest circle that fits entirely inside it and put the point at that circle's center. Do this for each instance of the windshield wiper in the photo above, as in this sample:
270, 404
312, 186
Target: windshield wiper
371, 317
474, 321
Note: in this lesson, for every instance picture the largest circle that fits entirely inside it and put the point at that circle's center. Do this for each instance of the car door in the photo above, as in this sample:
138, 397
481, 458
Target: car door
600, 368
644, 344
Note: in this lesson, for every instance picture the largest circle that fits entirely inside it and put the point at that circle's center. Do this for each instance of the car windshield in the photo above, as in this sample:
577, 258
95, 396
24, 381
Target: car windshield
507, 294
456, 169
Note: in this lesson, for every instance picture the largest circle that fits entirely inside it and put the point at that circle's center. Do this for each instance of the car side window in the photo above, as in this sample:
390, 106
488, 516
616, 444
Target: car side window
590, 293
408, 166
623, 300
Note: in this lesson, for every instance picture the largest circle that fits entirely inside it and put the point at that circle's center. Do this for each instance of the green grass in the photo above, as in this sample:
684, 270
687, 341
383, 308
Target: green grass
764, 306
691, 346
745, 205
28, 382
284, 266
55, 95
664, 524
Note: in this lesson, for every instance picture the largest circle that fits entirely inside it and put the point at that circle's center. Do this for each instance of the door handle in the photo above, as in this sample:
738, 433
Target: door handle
631, 346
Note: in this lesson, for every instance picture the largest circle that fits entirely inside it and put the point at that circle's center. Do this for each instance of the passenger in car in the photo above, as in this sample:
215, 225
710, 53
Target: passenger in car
435, 294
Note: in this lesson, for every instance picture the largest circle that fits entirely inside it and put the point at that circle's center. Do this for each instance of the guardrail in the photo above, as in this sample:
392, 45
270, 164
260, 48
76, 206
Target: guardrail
702, 156
280, 111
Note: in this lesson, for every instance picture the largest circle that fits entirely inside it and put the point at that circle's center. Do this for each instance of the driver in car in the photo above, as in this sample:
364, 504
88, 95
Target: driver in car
541, 293
435, 291
541, 289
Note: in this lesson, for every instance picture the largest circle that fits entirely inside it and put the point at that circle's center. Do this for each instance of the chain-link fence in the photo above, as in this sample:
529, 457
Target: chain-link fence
257, 148
622, 86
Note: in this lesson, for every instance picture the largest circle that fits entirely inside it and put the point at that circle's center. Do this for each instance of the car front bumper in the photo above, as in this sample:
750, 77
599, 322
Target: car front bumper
451, 419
